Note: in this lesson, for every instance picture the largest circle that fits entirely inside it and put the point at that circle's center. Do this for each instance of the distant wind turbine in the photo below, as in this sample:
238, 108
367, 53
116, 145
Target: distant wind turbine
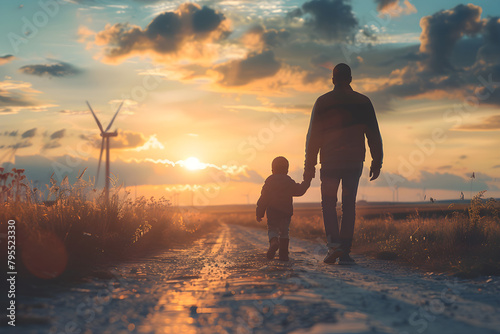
105, 138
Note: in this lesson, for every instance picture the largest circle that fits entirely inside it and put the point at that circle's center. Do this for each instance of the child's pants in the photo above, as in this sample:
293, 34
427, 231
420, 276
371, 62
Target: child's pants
278, 227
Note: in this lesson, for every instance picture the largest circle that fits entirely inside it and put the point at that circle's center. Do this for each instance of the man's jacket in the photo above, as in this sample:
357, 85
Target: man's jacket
276, 198
339, 122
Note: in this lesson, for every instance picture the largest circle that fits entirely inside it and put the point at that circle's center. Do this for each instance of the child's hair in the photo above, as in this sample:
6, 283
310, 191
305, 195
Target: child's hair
280, 165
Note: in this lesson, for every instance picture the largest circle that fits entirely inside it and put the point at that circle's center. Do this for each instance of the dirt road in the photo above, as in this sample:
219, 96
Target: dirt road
224, 284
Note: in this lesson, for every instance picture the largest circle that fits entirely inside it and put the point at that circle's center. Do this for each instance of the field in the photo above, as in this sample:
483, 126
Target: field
459, 238
73, 232
147, 265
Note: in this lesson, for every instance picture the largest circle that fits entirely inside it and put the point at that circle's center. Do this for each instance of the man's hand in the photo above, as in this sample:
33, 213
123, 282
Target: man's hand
374, 173
309, 174
259, 219
307, 181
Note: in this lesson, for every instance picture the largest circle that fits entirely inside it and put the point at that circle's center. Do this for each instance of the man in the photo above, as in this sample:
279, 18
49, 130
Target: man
340, 120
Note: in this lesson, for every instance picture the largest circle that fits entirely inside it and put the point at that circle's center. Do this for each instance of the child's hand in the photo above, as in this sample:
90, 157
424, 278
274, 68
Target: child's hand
259, 219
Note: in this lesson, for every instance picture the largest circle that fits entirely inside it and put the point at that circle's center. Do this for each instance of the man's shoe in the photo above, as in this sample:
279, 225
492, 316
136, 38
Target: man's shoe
284, 249
273, 247
346, 259
333, 254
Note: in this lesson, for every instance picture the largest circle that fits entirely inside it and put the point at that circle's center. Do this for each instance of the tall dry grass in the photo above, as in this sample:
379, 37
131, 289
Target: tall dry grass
467, 243
464, 242
71, 231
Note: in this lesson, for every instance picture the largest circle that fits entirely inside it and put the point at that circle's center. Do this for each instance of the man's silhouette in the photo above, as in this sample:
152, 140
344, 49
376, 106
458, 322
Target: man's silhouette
340, 120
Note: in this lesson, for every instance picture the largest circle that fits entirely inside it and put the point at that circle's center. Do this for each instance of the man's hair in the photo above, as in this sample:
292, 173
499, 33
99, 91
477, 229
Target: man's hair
280, 165
342, 72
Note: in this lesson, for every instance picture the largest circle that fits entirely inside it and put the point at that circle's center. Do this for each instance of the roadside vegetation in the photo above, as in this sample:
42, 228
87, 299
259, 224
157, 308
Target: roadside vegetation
464, 241
68, 231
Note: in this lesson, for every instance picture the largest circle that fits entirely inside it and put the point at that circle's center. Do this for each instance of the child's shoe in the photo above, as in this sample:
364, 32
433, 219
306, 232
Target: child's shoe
273, 247
284, 249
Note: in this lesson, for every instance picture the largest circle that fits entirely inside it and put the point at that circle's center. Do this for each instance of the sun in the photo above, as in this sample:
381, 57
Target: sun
193, 163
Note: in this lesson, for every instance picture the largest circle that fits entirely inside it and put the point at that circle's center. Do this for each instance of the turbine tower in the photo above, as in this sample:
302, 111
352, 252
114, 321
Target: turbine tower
105, 139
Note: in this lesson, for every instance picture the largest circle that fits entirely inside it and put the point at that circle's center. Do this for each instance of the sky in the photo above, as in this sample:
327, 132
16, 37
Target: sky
214, 90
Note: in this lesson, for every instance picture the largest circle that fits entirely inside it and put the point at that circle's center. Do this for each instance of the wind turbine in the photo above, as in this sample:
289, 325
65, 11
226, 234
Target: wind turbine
105, 139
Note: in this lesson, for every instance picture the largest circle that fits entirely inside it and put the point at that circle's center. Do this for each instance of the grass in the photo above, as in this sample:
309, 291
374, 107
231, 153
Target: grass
464, 243
72, 232
457, 240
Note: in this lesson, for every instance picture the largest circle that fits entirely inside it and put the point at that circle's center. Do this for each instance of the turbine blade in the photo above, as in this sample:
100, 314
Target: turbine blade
113, 119
95, 117
99, 164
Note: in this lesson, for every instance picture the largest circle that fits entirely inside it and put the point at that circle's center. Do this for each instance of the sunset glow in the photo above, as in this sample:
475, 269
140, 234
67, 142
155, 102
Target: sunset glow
193, 163
236, 85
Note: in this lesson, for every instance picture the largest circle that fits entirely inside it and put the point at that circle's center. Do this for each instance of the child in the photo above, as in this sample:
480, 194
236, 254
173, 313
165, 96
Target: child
276, 200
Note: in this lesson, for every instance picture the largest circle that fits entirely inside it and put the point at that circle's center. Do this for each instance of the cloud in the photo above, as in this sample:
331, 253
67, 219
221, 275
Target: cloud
58, 134
437, 180
51, 145
10, 150
5, 59
74, 112
385, 4
134, 172
15, 94
151, 143
491, 123
18, 95
444, 66
260, 38
271, 108
331, 20
21, 144
55, 140
490, 51
127, 140
254, 66
184, 33
445, 167
58, 69
29, 134
260, 73
284, 83
441, 32
394, 8
11, 133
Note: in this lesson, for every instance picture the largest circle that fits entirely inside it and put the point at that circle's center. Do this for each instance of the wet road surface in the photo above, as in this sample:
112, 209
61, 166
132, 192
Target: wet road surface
224, 284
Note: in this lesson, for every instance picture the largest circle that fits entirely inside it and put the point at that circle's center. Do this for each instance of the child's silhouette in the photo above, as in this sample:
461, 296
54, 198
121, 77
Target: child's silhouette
277, 202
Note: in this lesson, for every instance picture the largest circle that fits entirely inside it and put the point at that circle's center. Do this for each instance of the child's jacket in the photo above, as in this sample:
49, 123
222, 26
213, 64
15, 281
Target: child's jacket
276, 196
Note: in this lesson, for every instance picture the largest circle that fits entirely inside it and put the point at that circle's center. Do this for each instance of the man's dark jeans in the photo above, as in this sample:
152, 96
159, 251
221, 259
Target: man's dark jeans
330, 181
